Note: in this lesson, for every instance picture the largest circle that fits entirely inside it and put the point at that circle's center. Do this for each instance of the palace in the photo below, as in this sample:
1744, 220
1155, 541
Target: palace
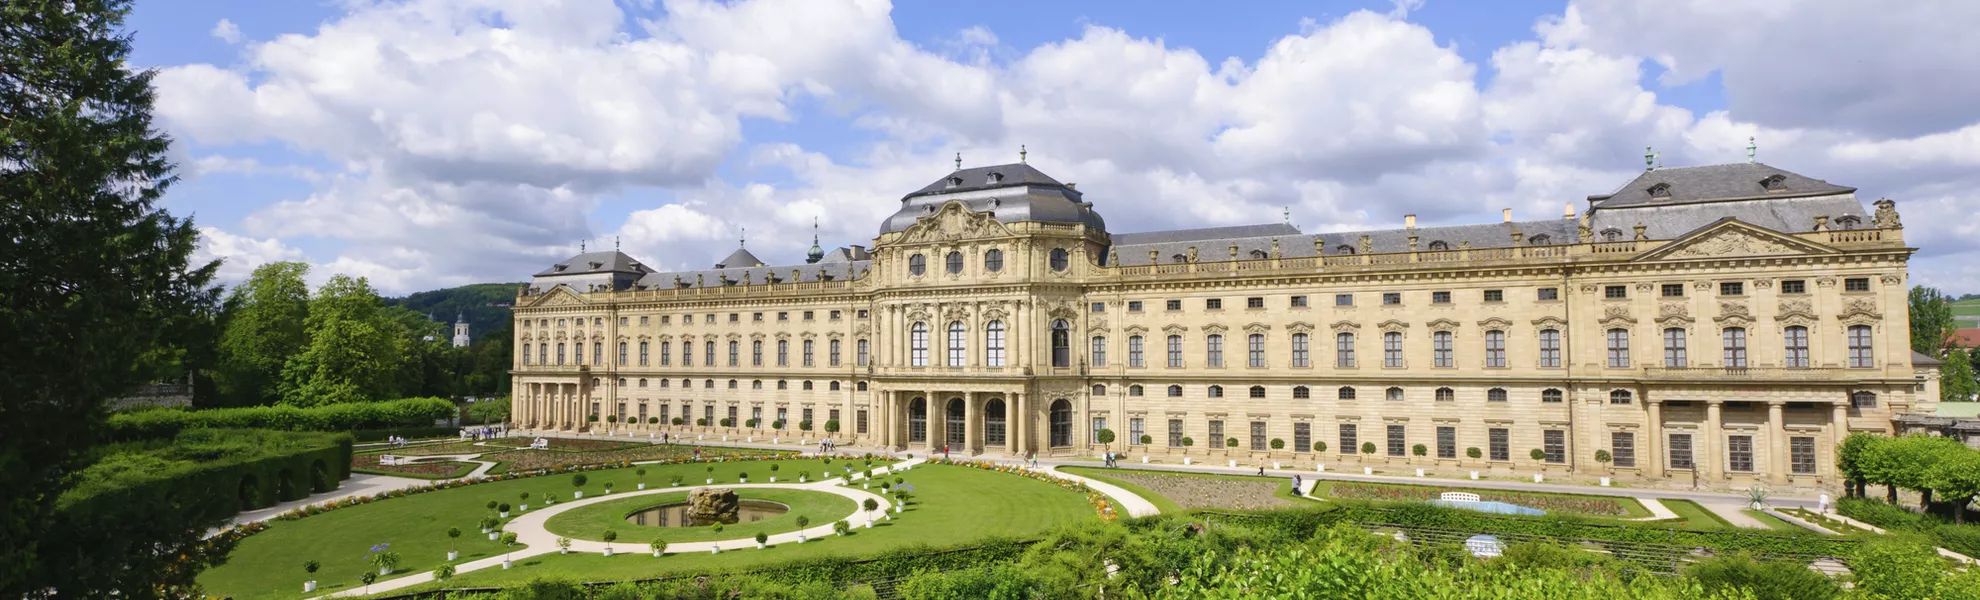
1729, 322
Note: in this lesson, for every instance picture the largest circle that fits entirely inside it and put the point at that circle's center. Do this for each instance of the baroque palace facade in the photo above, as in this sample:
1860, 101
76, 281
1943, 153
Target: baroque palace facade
1731, 322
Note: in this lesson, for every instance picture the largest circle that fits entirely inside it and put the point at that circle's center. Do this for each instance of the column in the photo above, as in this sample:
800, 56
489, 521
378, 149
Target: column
1010, 425
1020, 422
1777, 445
1707, 447
936, 418
1838, 430
972, 424
1652, 448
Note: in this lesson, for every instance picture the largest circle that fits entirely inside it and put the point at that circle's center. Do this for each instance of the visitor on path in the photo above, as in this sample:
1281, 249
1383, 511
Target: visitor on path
1261, 470
1033, 457
697, 453
945, 452
1296, 484
1822, 503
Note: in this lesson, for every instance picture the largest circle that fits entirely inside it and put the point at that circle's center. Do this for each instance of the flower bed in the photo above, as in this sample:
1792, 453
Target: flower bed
432, 449
1193, 491
1549, 503
558, 444
1101, 503
438, 469
526, 460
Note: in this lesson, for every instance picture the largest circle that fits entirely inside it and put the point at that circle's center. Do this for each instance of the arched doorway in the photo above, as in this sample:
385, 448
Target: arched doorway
1061, 423
918, 420
993, 422
955, 429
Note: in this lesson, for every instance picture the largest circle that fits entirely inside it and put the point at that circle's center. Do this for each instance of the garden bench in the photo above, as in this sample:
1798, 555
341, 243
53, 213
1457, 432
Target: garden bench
1458, 497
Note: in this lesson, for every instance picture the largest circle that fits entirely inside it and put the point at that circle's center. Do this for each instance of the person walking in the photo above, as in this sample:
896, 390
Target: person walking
1296, 485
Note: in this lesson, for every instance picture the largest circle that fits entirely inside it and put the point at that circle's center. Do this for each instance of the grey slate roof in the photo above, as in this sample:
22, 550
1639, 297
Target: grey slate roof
1708, 183
840, 271
844, 254
741, 258
1786, 215
1920, 359
596, 262
1207, 233
1013, 193
979, 178
1171, 244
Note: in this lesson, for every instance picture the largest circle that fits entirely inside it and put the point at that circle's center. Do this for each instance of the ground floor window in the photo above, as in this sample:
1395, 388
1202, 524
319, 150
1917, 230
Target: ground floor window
1622, 448
1302, 437
993, 422
1554, 444
956, 425
664, 416
1134, 431
756, 414
1258, 436
1099, 423
918, 420
859, 421
1061, 423
1681, 452
1348, 438
1217, 434
642, 412
1500, 442
1801, 455
1739, 453
1446, 442
1175, 433
1397, 442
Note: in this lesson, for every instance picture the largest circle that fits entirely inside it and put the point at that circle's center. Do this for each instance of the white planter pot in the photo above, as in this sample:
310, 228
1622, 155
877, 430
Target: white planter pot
1419, 472
309, 586
1474, 475
505, 514
1233, 463
656, 555
642, 486
865, 486
563, 550
1186, 461
759, 546
525, 508
492, 535
384, 570
869, 522
1275, 465
897, 508
549, 502
1368, 470
674, 484
1144, 460
714, 549
452, 556
506, 564
1605, 482
608, 491
608, 551
800, 538
773, 479
750, 439
1537, 478
1321, 468
711, 481
801, 479
578, 495
742, 480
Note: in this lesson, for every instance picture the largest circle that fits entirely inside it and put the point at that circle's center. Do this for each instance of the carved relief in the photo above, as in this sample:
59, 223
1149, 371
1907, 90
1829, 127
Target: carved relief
1214, 328
1136, 330
994, 313
1827, 282
1733, 313
1494, 324
1796, 307
1860, 309
1892, 279
1094, 324
1300, 327
955, 313
1887, 215
1393, 326
1257, 328
953, 222
1445, 325
1548, 322
1732, 243
1617, 315
1763, 284
1174, 329
1345, 327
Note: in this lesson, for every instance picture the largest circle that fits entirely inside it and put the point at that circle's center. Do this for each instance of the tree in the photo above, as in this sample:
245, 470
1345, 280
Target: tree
354, 351
264, 330
96, 286
1957, 381
1932, 327
1104, 436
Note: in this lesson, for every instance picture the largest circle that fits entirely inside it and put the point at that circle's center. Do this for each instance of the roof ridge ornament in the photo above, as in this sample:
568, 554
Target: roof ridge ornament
958, 161
1021, 153
1650, 159
1752, 150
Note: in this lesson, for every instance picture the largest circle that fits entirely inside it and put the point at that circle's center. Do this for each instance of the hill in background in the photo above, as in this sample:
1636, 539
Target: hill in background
486, 306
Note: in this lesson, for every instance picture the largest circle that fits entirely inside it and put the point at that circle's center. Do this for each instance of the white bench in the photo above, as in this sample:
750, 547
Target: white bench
1458, 497
388, 460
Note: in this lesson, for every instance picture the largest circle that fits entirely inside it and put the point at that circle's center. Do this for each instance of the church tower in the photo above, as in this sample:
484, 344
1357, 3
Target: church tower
460, 331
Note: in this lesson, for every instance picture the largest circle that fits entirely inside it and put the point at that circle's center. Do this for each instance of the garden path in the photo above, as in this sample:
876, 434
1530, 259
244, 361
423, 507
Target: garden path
1133, 503
360, 484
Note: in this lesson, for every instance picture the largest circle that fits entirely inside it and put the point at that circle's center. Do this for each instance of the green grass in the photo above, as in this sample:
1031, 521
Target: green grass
1694, 517
1825, 521
1772, 522
1169, 506
1161, 502
591, 522
952, 506
269, 564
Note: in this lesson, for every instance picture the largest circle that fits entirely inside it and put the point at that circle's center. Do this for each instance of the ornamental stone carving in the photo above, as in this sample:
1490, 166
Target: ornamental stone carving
1393, 326
1214, 329
1617, 315
1300, 327
1494, 324
1887, 215
1673, 314
1257, 328
1734, 313
1444, 325
1892, 279
1730, 242
1174, 329
1345, 327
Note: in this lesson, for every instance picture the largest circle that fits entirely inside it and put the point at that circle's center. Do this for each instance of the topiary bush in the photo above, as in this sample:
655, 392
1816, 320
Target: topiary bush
350, 416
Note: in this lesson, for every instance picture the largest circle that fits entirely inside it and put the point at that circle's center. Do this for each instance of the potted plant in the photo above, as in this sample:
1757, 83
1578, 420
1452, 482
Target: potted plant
1419, 450
1368, 448
508, 545
1278, 444
641, 472
608, 487
563, 545
1104, 436
492, 504
1319, 447
1756, 497
869, 480
761, 538
453, 552
366, 578
831, 426
445, 572
711, 474
1473, 453
613, 419
742, 477
653, 420
523, 500
802, 522
549, 498
578, 481
751, 423
777, 424
384, 558
677, 422
1230, 442
701, 422
675, 481
611, 535
1147, 439
504, 510
659, 547
310, 566
839, 528
870, 505
803, 476
804, 425
490, 526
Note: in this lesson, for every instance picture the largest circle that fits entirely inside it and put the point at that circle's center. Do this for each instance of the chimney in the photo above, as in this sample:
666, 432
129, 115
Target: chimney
1567, 210
1409, 221
1505, 214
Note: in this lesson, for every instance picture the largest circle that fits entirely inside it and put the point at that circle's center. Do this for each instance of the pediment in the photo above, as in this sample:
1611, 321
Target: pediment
558, 296
954, 222
1729, 238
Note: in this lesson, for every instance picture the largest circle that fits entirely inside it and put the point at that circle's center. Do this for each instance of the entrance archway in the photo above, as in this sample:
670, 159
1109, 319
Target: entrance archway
1061, 423
955, 425
918, 420
993, 422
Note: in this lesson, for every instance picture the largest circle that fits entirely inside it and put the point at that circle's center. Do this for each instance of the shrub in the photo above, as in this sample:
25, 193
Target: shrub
1147, 439
804, 425
1771, 580
1319, 446
1278, 444
579, 480
1104, 436
1537, 454
1419, 450
1368, 447
832, 426
1188, 441
1230, 442
1473, 453
653, 420
347, 417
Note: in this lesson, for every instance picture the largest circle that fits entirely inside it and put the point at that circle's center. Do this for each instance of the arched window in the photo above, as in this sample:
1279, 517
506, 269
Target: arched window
1550, 396
955, 262
1860, 346
642, 382
1797, 346
708, 356
1257, 255
1848, 222
993, 260
1301, 393
1099, 390
1445, 394
1257, 391
993, 344
756, 384
958, 345
735, 353
859, 387
756, 353
1175, 351
1135, 390
1344, 249
1540, 240
560, 354
732, 384
1255, 350
1735, 338
783, 353
1863, 400
783, 384
1061, 343
1394, 394
1439, 246
1495, 395
835, 351
918, 344
1619, 397
1178, 258
917, 264
642, 353
1216, 391
1060, 260
1213, 350
1099, 351
1061, 423
622, 354
1345, 393
1175, 391
833, 386
918, 420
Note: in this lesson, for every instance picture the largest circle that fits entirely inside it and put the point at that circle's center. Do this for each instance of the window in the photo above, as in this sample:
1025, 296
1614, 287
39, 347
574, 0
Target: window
1801, 455
1622, 448
687, 353
597, 353
1550, 348
1135, 390
1440, 297
1348, 441
1345, 393
1172, 305
1134, 352
1797, 346
1299, 350
1394, 394
1863, 400
1134, 306
1059, 259
560, 354
1445, 394
577, 353
1300, 392
1680, 449
807, 315
1673, 290
1097, 308
1134, 431
1732, 288
735, 317
993, 260
1391, 298
622, 354
1215, 391
954, 261
1674, 348
1258, 391
1254, 302
667, 350
993, 344
1548, 294
643, 353
756, 353
1213, 350
1498, 443
708, 357
834, 315
1217, 433
958, 345
1856, 284
859, 421
1258, 436
1392, 349
1213, 304
1099, 390
1061, 343
1551, 396
1343, 299
1440, 350
1495, 349
1553, 442
1175, 351
1618, 348
917, 264
781, 316
1298, 302
1735, 338
834, 352
1739, 453
783, 353
861, 352
1615, 291
1175, 433
1175, 391
1859, 347
1620, 397
1344, 350
1099, 350
1255, 348
1794, 286
1446, 442
918, 345
1302, 437
1398, 444
1495, 395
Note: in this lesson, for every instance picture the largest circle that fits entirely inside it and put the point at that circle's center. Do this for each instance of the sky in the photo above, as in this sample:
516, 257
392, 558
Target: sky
431, 143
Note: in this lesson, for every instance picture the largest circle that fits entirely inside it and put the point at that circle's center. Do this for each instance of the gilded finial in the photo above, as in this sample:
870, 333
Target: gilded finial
580, 246
1752, 149
1287, 210
615, 243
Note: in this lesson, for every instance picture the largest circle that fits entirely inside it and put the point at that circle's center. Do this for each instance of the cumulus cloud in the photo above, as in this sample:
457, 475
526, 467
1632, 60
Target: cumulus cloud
239, 254
227, 31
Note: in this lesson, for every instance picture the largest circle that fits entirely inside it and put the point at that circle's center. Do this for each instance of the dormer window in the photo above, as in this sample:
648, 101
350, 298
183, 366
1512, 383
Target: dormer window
1540, 240
1848, 222
1257, 255
1179, 258
1344, 249
994, 178
1775, 183
1661, 190
595, 265
955, 181
1439, 246
1612, 235
560, 268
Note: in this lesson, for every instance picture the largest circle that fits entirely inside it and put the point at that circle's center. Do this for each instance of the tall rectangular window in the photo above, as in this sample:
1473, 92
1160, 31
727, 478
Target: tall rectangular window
859, 421
993, 344
667, 351
833, 352
1258, 436
958, 345
1498, 442
809, 345
1553, 442
1739, 453
1255, 350
1550, 348
708, 357
1175, 433
1398, 444
1680, 449
1859, 347
1674, 348
1392, 356
1618, 348
1446, 442
756, 353
1495, 349
1622, 448
1440, 350
1134, 431
642, 353
1213, 350
862, 352
1348, 440
1099, 350
1175, 351
918, 345
1302, 436
735, 353
1134, 352
622, 354
1801, 455
577, 353
1344, 350
687, 353
1099, 423
1797, 346
1299, 350
1217, 433
783, 353
1735, 338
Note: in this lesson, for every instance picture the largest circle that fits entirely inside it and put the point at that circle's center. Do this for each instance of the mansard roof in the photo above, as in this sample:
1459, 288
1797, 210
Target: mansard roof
596, 262
1710, 183
1012, 193
740, 259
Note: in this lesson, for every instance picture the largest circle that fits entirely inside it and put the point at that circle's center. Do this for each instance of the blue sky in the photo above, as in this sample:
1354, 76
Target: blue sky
304, 133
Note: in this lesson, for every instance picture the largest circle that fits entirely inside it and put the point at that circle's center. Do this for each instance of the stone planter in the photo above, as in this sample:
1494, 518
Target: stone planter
563, 550
309, 586
714, 549
1232, 463
801, 479
1419, 472
742, 480
656, 555
506, 564
505, 514
1186, 461
1605, 482
642, 486
383, 571
1368, 470
760, 546
608, 551
579, 494
800, 538
452, 555
525, 508
1321, 468
1537, 478
492, 535
773, 479
711, 481
1144, 459
1474, 476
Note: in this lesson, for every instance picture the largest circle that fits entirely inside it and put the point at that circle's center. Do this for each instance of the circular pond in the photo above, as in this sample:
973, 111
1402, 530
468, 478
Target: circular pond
678, 515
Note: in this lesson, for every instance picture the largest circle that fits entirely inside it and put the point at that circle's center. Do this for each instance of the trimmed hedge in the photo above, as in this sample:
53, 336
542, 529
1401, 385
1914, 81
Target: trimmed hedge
353, 416
1964, 539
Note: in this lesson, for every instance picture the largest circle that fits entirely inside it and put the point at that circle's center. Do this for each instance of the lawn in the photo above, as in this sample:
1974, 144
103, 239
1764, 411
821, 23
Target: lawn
447, 469
1771, 521
1825, 521
527, 460
1694, 517
269, 564
952, 505
591, 522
